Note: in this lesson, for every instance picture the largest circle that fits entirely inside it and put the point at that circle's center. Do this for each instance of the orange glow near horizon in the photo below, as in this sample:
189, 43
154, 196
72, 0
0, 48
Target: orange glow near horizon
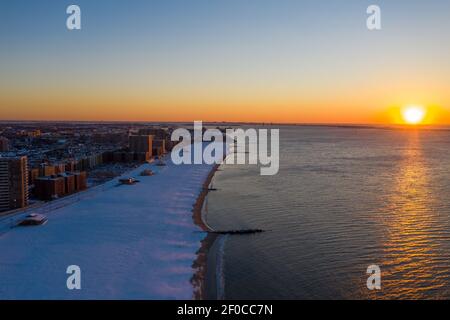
220, 112
213, 106
224, 62
314, 100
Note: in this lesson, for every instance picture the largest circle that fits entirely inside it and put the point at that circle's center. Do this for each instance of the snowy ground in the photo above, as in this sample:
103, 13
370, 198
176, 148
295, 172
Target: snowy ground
131, 242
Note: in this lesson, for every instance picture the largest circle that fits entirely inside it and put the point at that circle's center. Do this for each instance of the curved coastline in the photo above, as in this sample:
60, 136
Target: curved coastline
198, 206
200, 265
204, 279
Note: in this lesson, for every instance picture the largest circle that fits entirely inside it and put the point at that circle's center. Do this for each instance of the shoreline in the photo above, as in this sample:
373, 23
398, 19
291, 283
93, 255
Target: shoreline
199, 278
198, 206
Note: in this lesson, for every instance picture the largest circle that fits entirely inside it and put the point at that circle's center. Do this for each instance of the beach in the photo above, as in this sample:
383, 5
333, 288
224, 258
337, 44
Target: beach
202, 268
198, 206
204, 279
131, 242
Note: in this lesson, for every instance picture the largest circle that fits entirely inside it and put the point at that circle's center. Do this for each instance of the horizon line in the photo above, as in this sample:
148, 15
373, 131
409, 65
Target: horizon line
322, 124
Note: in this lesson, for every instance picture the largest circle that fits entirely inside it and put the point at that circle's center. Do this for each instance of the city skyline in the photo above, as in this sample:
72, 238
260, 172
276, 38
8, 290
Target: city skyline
233, 61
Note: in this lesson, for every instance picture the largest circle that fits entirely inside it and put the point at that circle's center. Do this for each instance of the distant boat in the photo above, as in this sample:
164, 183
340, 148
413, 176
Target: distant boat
33, 219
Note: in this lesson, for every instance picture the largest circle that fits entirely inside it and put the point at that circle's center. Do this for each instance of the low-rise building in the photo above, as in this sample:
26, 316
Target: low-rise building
33, 174
46, 170
56, 186
70, 165
60, 168
49, 188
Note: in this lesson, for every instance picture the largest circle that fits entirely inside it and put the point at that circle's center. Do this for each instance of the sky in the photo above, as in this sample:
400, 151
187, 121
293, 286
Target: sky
288, 61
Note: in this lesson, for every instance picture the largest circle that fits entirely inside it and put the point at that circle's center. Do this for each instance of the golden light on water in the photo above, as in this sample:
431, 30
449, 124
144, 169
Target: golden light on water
413, 114
410, 246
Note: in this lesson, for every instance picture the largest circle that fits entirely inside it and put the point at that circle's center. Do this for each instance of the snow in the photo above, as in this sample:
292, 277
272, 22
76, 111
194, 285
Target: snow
130, 241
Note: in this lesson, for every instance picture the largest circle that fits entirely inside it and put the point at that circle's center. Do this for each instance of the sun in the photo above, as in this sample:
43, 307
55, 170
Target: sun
413, 114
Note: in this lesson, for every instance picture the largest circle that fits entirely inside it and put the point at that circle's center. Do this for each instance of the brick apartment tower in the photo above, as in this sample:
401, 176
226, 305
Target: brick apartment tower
13, 183
4, 144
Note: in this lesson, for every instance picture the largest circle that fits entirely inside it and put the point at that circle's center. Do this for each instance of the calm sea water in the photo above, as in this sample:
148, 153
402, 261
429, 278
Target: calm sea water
344, 199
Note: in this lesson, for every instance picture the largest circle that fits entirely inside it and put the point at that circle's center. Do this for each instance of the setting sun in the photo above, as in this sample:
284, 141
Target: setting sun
413, 114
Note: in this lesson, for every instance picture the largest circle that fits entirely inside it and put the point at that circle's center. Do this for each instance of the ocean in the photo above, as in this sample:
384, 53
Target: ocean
345, 198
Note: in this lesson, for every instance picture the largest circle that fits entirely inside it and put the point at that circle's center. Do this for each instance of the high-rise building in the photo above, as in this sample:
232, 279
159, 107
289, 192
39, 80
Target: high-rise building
13, 183
4, 184
160, 146
158, 133
141, 143
80, 181
4, 144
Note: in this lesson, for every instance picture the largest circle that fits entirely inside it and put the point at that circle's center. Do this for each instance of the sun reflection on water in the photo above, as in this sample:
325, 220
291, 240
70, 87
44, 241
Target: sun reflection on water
410, 226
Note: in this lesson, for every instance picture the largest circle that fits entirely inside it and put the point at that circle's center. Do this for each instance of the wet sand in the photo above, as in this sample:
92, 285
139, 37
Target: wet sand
198, 206
202, 280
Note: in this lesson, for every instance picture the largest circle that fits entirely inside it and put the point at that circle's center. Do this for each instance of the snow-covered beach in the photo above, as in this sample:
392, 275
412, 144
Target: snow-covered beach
130, 241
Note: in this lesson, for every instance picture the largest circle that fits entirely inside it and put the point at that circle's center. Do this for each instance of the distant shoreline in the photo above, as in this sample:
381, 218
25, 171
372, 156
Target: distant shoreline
378, 126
